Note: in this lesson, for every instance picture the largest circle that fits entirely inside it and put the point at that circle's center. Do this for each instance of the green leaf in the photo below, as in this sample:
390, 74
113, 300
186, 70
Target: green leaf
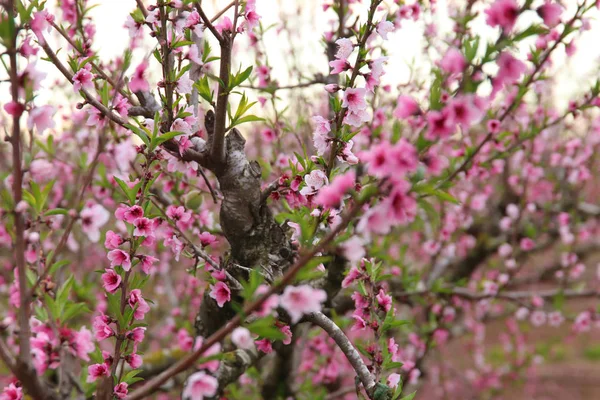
409, 397
248, 118
140, 133
129, 192
166, 136
265, 327
56, 266
56, 211
74, 310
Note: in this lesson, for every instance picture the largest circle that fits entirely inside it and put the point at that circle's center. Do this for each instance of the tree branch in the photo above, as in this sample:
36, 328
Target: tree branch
352, 355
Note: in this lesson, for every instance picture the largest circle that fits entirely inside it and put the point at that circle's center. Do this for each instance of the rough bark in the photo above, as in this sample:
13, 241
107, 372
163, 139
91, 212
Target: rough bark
256, 240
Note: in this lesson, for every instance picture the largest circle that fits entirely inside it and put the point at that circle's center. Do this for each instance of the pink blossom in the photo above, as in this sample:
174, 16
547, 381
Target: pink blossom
138, 83
264, 345
331, 196
112, 240
321, 134
96, 371
130, 214
143, 227
224, 25
14, 109
200, 385
134, 360
102, 330
493, 126
393, 380
137, 302
136, 334
440, 125
241, 338
184, 84
453, 61
92, 219
302, 299
120, 391
178, 213
287, 331
251, 15
41, 20
207, 239
502, 13
384, 300
406, 106
41, 118
26, 49
550, 13
315, 180
345, 48
339, 66
146, 262
81, 343
11, 392
221, 293
111, 280
527, 244
352, 276
383, 28
83, 79
119, 257
354, 99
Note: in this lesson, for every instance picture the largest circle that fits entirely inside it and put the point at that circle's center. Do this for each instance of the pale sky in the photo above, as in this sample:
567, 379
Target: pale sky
112, 39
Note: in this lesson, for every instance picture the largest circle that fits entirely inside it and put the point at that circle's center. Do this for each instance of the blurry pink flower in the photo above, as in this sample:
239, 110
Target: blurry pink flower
393, 380
111, 280
120, 391
137, 334
224, 25
453, 61
406, 107
550, 13
440, 125
302, 299
207, 239
11, 392
331, 196
92, 219
96, 371
134, 360
138, 83
251, 15
384, 300
339, 66
81, 343
345, 48
112, 240
14, 109
26, 49
385, 27
129, 214
41, 20
119, 257
321, 134
184, 84
41, 118
538, 318
264, 345
503, 13
527, 244
241, 338
200, 385
137, 302
221, 293
83, 79
287, 331
102, 330
146, 262
493, 126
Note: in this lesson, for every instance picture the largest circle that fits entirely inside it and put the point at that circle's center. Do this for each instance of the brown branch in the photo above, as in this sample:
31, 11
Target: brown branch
17, 188
7, 357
